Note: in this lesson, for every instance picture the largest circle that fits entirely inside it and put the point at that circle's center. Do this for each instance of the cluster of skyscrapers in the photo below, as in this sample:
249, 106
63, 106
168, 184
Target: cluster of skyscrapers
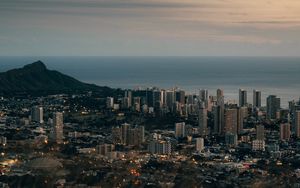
227, 119
128, 135
56, 123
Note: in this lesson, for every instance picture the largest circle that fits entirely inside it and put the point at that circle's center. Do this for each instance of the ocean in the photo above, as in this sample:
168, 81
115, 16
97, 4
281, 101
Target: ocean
278, 76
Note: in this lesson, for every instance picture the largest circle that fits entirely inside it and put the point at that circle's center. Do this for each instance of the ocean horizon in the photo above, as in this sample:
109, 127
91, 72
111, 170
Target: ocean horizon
272, 75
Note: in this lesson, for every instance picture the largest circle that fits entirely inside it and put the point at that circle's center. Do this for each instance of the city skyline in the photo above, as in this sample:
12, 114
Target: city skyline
197, 75
59, 131
150, 28
149, 93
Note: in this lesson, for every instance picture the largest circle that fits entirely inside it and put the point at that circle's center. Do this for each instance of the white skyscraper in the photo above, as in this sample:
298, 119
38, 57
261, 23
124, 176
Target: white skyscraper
58, 127
203, 96
109, 102
128, 95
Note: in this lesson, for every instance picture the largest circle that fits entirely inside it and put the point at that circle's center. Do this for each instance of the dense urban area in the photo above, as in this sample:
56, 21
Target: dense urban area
149, 138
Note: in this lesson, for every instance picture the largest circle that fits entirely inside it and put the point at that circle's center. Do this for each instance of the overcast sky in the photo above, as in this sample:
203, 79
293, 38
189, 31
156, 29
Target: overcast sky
150, 27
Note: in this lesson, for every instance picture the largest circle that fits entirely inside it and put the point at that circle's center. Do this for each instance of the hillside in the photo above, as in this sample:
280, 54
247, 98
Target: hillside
36, 79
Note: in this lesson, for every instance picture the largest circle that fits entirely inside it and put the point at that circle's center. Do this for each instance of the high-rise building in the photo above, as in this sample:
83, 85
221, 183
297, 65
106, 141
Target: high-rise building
199, 144
219, 121
210, 103
125, 103
124, 132
256, 99
285, 131
160, 147
242, 97
190, 99
170, 99
134, 136
163, 98
109, 102
150, 97
137, 103
128, 95
180, 130
203, 95
218, 128
142, 95
157, 100
260, 132
104, 149
180, 96
231, 139
141, 130
242, 115
294, 109
258, 145
231, 120
292, 105
116, 135
284, 114
203, 131
273, 105
220, 94
297, 123
37, 114
58, 125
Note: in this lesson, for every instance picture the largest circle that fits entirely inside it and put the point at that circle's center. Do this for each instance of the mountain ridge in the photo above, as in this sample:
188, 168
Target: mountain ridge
36, 78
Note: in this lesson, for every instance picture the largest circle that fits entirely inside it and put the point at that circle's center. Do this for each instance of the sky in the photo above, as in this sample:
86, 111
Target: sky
149, 27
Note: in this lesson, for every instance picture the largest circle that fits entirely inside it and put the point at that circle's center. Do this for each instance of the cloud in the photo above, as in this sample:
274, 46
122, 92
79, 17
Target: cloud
245, 39
112, 23
113, 4
256, 12
270, 22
